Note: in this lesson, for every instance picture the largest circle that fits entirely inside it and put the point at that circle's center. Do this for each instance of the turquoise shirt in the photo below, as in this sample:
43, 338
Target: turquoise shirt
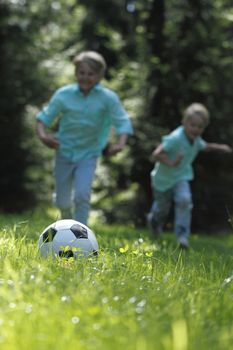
164, 177
85, 120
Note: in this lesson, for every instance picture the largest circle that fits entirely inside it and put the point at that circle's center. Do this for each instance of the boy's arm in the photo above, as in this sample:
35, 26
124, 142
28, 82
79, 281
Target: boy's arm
161, 155
217, 147
46, 138
112, 149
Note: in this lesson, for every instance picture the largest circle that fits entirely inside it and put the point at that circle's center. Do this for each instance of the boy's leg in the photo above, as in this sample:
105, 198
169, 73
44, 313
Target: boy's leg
183, 210
84, 174
159, 210
63, 186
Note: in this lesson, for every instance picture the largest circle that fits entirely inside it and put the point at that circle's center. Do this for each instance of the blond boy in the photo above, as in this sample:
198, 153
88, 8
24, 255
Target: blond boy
171, 176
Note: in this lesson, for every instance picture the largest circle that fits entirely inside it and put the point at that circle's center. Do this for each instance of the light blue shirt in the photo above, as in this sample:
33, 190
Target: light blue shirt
164, 177
85, 120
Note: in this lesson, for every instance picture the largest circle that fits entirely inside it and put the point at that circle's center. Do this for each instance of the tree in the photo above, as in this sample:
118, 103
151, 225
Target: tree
17, 78
25, 47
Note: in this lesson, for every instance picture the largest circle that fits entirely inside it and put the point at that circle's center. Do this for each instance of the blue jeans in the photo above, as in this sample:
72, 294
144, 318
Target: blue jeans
182, 197
73, 184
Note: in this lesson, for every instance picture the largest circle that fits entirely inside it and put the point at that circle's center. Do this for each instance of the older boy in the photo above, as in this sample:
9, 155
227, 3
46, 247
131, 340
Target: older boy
86, 111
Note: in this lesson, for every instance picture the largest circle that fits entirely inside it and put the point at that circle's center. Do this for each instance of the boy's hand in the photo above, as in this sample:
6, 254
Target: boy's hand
161, 155
178, 159
225, 148
218, 147
50, 141
112, 149
47, 139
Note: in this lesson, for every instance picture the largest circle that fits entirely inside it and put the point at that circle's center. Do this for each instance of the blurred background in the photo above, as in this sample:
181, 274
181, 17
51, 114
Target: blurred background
161, 56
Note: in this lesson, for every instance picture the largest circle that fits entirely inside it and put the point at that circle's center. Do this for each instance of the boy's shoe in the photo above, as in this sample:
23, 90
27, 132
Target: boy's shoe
183, 243
154, 228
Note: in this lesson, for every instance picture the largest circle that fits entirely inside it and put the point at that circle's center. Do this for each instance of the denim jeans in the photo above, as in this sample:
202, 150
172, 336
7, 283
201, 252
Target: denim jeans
181, 195
73, 184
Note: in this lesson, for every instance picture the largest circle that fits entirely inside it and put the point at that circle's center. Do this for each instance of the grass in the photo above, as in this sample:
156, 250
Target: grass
138, 293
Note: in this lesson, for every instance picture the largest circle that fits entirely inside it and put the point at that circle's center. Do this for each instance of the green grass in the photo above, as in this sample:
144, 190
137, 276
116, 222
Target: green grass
138, 294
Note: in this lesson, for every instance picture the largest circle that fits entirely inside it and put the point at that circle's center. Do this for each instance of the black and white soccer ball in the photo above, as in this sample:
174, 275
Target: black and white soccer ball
68, 238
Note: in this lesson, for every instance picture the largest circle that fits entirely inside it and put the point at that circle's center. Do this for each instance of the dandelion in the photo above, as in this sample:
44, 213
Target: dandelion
75, 319
65, 298
227, 280
132, 300
104, 300
96, 326
10, 283
140, 306
142, 303
28, 308
166, 276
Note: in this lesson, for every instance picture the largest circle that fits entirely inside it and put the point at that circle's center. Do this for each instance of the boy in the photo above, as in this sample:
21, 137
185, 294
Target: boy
86, 110
173, 171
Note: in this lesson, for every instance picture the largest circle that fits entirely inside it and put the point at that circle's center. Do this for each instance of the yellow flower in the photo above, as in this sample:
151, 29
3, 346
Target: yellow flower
124, 249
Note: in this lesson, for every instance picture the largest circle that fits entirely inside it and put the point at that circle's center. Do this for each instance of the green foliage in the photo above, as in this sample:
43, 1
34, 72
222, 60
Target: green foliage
21, 84
30, 36
138, 293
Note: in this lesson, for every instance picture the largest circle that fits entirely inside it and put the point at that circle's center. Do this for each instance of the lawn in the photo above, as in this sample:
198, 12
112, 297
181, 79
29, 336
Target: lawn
138, 294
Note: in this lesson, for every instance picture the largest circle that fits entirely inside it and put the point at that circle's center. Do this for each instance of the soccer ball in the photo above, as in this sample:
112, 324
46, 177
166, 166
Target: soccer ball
68, 238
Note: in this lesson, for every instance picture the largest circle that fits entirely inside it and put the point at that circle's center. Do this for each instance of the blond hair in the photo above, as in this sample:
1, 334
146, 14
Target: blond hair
197, 109
95, 60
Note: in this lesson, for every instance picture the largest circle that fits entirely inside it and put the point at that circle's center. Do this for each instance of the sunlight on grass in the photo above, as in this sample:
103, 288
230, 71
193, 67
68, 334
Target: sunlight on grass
180, 335
138, 293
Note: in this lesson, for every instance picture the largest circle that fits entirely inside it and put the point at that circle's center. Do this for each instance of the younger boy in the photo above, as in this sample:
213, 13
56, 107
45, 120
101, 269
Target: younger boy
173, 171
